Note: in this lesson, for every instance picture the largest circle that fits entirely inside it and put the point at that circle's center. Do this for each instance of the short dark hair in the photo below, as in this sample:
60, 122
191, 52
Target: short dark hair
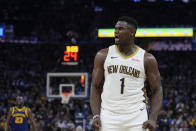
19, 96
131, 21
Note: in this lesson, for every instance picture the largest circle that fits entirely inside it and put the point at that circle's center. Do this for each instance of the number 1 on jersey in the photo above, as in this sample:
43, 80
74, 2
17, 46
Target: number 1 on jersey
122, 85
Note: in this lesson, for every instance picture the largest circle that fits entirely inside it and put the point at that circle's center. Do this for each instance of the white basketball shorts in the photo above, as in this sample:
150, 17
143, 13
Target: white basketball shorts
123, 122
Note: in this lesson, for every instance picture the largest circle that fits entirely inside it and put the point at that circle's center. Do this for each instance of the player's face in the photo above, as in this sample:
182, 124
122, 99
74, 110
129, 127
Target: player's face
19, 101
123, 32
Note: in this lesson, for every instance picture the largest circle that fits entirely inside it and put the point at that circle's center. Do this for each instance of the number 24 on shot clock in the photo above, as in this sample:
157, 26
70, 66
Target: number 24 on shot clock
71, 54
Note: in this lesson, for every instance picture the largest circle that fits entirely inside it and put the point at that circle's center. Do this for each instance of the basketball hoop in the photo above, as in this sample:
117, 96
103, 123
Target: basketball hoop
65, 97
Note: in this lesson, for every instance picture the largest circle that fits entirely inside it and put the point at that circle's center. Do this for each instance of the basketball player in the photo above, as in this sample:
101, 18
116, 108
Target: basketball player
118, 77
19, 116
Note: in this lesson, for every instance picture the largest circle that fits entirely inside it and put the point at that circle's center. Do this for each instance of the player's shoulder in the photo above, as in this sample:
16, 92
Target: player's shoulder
103, 51
148, 56
149, 59
102, 54
11, 109
26, 108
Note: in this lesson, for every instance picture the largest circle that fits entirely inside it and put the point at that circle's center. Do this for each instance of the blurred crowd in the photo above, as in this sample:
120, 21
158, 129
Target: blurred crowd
79, 19
23, 67
23, 71
170, 45
178, 78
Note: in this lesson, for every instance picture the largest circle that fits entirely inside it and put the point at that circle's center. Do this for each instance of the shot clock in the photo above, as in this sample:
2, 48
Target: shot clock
70, 56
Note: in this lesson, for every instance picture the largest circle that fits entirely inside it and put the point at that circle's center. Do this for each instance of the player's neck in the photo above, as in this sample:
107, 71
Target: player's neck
126, 49
19, 106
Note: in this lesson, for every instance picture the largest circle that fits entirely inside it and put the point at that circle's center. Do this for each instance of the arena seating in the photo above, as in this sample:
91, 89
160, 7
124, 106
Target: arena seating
52, 24
23, 72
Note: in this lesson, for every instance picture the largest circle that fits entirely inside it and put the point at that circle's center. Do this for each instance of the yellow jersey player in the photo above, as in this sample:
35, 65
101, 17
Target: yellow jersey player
18, 117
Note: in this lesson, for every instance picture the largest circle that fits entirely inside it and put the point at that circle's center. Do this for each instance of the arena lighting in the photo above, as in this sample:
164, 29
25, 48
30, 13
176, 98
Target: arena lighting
1, 32
151, 0
185, 1
169, 0
152, 32
136, 0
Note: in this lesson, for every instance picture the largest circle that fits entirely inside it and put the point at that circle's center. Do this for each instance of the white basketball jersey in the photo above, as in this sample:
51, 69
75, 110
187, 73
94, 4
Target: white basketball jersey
124, 80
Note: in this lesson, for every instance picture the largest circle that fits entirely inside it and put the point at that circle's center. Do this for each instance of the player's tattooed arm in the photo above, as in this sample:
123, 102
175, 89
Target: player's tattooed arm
154, 80
97, 85
8, 120
32, 122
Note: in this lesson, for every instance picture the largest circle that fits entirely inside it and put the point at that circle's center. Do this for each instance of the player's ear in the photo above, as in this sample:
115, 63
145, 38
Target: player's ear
133, 33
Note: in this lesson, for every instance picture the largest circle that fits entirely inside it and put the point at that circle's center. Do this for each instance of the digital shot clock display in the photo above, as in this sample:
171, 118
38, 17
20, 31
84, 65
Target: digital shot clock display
71, 55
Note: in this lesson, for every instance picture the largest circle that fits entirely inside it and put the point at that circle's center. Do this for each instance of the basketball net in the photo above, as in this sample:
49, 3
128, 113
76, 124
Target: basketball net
65, 97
